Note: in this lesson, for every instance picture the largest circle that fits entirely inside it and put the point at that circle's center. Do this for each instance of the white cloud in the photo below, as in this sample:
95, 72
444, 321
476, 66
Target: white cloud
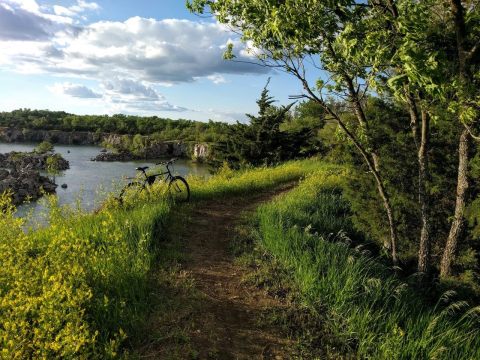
128, 94
131, 88
63, 11
84, 5
226, 116
18, 23
28, 5
217, 79
51, 40
74, 90
77, 9
120, 95
157, 51
22, 20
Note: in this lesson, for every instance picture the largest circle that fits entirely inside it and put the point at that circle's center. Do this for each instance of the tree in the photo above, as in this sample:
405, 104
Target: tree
468, 109
289, 33
262, 141
44, 147
375, 48
408, 70
53, 165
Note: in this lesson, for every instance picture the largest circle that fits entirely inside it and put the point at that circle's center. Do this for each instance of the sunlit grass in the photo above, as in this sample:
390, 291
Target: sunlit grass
371, 312
77, 286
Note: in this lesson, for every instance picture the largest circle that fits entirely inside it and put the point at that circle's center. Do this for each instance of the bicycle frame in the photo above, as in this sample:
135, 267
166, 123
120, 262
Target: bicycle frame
168, 176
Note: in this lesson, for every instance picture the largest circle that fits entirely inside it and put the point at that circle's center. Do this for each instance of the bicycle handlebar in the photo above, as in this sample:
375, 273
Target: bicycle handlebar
169, 162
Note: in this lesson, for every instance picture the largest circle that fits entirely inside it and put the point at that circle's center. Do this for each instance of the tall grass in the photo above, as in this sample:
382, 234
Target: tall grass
228, 182
78, 287
75, 288
373, 313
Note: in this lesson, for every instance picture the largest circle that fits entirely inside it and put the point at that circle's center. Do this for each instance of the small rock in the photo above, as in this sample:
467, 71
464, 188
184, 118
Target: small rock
64, 186
4, 174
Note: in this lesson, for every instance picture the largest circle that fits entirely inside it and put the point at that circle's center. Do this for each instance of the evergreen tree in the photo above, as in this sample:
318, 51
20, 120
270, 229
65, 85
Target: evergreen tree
262, 141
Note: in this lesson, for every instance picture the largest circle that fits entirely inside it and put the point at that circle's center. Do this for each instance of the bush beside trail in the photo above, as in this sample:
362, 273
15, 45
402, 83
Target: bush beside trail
358, 300
79, 287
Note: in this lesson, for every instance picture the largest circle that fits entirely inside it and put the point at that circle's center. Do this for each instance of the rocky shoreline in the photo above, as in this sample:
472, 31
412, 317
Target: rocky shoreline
20, 175
160, 150
154, 149
25, 184
31, 160
112, 156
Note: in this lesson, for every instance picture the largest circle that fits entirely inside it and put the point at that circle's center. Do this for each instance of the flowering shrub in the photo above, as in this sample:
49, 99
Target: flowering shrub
64, 289
79, 286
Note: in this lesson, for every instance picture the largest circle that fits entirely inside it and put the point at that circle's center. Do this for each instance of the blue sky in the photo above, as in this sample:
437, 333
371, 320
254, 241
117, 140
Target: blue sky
124, 56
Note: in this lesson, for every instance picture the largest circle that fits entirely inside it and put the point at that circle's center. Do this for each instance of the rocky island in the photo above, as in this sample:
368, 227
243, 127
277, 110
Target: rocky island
32, 160
20, 173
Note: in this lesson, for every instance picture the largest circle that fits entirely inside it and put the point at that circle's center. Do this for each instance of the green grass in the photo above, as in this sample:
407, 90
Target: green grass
229, 183
81, 287
361, 305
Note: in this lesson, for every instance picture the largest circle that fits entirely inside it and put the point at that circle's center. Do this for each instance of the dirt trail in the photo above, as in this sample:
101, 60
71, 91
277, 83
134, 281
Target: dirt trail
226, 324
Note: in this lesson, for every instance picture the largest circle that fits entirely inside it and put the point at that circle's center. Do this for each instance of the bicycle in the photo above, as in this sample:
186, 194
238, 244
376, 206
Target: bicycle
178, 187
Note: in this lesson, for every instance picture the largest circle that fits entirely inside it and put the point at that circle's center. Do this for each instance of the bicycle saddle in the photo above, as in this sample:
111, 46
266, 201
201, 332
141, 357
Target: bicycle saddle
142, 168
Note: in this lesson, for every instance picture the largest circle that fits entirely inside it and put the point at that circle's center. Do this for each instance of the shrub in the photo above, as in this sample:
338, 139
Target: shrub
372, 312
44, 147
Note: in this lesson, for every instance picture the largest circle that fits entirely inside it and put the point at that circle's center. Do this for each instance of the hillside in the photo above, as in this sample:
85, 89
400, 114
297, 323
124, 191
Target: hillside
291, 278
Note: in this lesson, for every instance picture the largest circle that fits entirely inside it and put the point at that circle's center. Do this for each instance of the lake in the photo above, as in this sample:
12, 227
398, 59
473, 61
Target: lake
89, 181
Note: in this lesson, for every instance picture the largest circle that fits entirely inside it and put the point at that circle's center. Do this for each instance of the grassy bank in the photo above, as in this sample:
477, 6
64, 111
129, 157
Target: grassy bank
362, 310
79, 287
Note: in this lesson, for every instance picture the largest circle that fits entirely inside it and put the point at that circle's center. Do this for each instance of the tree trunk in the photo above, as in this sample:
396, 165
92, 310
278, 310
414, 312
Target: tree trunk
370, 157
458, 220
421, 139
463, 147
391, 244
423, 175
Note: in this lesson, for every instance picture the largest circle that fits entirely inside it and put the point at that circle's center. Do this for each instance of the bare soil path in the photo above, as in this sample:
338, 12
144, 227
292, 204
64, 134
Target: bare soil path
225, 324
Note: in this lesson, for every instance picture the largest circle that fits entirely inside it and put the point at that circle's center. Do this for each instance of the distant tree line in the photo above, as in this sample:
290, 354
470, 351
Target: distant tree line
276, 134
163, 128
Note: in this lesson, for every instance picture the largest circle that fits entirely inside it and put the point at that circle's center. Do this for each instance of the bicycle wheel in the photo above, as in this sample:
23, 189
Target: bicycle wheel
131, 188
178, 188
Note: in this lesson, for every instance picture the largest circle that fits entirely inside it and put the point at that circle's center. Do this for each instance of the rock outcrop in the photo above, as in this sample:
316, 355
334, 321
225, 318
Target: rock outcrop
113, 156
20, 175
31, 160
156, 150
25, 184
200, 152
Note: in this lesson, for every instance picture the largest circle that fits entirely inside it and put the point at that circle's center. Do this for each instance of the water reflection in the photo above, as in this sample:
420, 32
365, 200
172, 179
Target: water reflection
87, 181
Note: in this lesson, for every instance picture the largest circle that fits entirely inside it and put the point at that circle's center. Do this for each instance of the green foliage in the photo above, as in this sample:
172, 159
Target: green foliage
394, 51
392, 138
44, 147
263, 141
366, 310
53, 164
72, 289
79, 287
306, 115
160, 128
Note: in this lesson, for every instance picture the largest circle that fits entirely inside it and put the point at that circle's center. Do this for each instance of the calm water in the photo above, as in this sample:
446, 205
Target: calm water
88, 181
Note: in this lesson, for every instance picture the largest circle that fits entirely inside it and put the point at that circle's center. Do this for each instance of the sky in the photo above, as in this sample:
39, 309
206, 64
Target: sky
127, 56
